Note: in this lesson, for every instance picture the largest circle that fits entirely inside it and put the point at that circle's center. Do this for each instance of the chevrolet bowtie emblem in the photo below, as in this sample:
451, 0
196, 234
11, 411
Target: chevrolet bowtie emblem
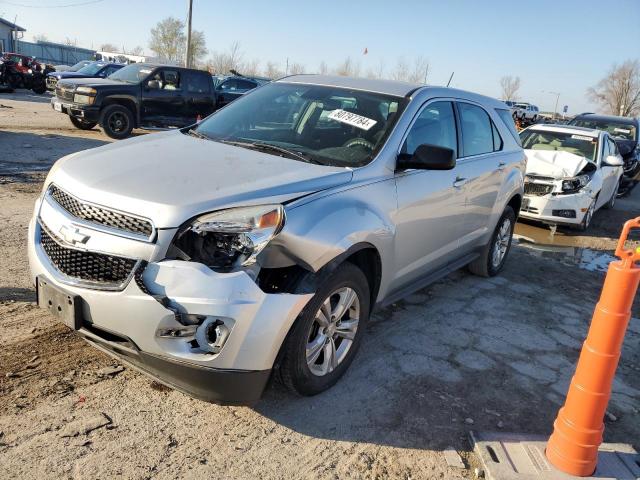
72, 235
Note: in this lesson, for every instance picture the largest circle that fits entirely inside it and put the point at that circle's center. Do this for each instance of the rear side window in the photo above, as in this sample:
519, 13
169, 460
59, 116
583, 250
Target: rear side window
477, 130
436, 125
198, 83
245, 85
507, 119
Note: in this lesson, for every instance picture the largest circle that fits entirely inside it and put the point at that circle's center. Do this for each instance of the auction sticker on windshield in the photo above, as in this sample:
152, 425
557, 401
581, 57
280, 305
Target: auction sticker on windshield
582, 137
352, 119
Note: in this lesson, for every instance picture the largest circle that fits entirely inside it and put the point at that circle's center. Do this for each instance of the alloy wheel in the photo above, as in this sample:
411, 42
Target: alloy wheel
501, 244
332, 332
118, 122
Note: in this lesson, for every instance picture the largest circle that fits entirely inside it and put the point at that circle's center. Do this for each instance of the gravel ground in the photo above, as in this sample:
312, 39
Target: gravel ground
466, 353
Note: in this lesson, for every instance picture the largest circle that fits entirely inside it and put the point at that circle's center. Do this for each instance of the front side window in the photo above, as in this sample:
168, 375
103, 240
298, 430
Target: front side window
245, 85
580, 145
436, 125
477, 132
170, 80
133, 73
318, 124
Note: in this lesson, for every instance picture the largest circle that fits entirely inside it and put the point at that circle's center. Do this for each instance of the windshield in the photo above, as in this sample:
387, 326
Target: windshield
324, 125
615, 129
78, 66
134, 73
91, 68
581, 145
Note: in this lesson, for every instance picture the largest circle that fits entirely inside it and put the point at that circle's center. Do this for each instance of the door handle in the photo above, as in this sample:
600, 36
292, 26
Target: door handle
501, 165
459, 182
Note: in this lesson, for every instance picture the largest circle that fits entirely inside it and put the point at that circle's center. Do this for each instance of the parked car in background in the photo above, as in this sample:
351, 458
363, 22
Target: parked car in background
625, 131
73, 68
571, 173
231, 87
137, 95
512, 107
259, 240
526, 112
90, 70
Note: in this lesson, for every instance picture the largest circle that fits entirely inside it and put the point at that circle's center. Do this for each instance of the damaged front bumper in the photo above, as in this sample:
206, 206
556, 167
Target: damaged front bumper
555, 209
153, 322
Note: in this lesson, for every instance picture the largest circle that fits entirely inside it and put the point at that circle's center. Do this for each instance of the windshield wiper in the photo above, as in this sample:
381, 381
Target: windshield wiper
196, 134
273, 148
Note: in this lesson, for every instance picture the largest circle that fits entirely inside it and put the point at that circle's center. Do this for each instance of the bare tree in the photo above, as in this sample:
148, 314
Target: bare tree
273, 71
235, 55
198, 48
41, 37
168, 39
323, 69
402, 70
296, 68
348, 68
509, 86
420, 71
619, 92
223, 62
251, 68
109, 47
138, 50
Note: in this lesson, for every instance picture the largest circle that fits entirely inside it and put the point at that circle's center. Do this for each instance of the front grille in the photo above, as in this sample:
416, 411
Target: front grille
529, 210
100, 215
51, 82
108, 270
64, 93
537, 189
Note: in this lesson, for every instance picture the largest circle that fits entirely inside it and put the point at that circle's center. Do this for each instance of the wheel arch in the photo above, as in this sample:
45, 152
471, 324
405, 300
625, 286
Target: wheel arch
125, 102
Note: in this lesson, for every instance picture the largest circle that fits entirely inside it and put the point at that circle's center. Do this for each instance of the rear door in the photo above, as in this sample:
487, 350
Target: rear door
164, 106
198, 97
430, 204
481, 168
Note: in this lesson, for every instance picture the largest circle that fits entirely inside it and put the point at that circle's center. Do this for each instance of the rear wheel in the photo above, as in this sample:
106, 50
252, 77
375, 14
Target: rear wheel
82, 124
117, 121
326, 336
494, 254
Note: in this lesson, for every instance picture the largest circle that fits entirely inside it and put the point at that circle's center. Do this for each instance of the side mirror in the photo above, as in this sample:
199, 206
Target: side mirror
613, 161
153, 84
427, 157
624, 148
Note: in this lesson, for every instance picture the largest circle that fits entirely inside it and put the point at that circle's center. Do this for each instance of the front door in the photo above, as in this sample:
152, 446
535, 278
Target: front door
162, 99
430, 202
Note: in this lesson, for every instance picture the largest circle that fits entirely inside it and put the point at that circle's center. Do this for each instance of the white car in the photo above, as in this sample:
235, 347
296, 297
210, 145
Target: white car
571, 172
526, 112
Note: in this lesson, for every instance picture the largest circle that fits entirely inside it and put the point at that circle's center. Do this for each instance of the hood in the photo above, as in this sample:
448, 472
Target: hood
551, 163
67, 75
171, 177
96, 82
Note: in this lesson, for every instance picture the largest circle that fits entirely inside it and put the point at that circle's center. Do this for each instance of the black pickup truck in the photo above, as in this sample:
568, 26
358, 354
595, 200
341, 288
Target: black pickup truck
139, 95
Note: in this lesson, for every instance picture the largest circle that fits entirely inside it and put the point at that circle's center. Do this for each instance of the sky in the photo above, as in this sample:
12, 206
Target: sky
562, 46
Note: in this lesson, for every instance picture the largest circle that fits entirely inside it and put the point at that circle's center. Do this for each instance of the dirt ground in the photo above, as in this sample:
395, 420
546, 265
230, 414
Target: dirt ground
464, 354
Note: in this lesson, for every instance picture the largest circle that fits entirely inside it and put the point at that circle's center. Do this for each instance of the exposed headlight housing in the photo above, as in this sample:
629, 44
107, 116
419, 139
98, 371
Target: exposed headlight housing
86, 90
575, 184
232, 238
83, 99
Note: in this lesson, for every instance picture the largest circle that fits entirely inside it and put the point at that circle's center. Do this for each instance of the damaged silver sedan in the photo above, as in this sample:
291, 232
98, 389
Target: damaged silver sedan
258, 241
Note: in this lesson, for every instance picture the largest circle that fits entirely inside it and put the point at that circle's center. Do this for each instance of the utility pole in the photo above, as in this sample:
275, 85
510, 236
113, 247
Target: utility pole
450, 78
555, 110
188, 60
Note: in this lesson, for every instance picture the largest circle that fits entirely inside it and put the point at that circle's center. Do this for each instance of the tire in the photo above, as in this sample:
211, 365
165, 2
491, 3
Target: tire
612, 200
82, 124
308, 371
586, 221
116, 121
489, 263
40, 88
14, 81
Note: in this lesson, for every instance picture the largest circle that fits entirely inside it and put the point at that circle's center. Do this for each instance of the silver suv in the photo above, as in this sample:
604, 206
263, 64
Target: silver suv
259, 240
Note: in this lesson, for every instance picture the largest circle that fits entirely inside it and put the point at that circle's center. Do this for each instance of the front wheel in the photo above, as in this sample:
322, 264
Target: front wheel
614, 195
494, 254
326, 336
588, 216
117, 121
82, 124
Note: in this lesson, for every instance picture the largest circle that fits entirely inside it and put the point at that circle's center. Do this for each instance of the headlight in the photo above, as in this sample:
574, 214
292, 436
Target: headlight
231, 238
86, 90
572, 185
85, 99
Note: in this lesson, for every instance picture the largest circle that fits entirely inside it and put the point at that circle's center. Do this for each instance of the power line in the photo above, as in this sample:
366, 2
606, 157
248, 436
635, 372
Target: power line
78, 4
